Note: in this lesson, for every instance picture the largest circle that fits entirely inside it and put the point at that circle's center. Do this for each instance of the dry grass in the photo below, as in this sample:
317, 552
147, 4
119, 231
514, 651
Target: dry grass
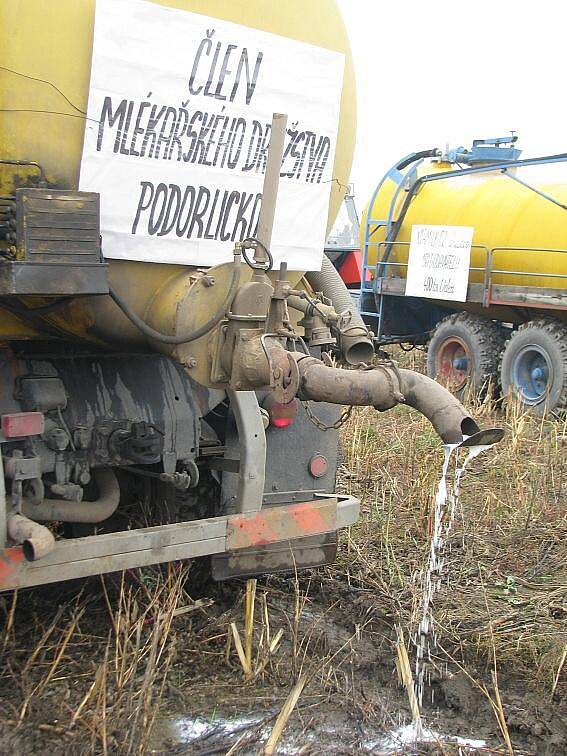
506, 573
101, 685
89, 667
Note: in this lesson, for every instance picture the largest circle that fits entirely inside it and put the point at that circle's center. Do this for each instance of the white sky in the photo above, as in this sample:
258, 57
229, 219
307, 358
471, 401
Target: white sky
448, 71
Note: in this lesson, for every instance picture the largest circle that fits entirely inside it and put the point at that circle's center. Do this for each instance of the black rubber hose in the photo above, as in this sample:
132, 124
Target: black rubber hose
424, 154
417, 156
163, 338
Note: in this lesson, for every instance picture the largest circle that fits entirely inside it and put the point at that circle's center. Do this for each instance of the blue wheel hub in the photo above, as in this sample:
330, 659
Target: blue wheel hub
532, 374
461, 364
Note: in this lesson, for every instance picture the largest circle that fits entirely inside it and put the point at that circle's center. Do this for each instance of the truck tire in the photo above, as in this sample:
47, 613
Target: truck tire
464, 352
534, 366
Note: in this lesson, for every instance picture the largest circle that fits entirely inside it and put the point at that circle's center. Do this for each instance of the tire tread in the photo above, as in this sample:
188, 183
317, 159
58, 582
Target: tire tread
488, 339
557, 330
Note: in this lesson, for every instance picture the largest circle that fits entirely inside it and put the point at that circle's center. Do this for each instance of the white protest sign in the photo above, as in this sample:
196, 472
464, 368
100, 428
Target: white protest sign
177, 130
438, 262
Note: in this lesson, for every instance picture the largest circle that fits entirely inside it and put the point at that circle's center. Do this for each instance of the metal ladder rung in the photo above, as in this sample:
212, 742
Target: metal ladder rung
371, 225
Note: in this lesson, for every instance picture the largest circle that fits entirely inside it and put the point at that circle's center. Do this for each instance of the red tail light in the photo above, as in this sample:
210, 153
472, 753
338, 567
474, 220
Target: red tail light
281, 415
22, 424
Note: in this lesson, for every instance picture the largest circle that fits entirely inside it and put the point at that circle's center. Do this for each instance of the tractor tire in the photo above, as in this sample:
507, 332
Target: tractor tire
534, 366
464, 352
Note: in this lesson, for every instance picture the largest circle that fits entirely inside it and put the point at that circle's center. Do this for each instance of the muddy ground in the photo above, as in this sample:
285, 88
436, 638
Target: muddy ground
146, 662
339, 635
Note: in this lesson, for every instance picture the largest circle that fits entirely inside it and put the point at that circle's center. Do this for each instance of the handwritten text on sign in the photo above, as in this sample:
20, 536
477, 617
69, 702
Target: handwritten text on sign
438, 262
178, 127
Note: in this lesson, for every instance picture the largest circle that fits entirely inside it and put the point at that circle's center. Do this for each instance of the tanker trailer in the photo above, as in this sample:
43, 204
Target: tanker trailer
167, 390
468, 253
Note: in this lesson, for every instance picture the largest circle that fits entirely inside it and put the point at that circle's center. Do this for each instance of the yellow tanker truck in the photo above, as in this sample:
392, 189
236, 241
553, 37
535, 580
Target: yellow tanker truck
464, 250
167, 387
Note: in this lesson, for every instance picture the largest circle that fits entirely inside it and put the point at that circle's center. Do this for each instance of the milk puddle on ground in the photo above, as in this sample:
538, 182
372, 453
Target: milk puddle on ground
219, 734
399, 740
425, 640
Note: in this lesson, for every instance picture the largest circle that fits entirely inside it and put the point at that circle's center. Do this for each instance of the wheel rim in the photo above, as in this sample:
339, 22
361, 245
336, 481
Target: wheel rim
454, 362
532, 374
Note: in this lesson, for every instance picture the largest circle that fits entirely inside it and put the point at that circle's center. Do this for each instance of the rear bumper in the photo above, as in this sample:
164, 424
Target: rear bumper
98, 554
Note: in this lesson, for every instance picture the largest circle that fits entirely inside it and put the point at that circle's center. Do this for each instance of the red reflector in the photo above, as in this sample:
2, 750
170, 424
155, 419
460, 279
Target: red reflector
281, 415
22, 424
318, 466
282, 422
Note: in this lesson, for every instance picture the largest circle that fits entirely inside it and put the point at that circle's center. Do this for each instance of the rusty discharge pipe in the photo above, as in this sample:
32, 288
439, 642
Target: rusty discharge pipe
383, 387
36, 540
85, 511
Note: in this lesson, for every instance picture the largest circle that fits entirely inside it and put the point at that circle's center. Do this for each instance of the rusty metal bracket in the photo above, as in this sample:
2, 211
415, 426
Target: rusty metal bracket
390, 368
224, 465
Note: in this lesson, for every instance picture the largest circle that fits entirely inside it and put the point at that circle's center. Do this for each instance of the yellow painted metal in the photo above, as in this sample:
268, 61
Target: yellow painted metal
502, 212
45, 61
13, 327
52, 41
183, 304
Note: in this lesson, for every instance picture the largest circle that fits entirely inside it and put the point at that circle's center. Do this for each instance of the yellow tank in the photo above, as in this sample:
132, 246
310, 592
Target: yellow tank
502, 212
44, 80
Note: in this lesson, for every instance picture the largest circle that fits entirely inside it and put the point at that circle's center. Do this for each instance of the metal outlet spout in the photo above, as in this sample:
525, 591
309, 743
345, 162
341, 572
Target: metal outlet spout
445, 413
37, 541
383, 387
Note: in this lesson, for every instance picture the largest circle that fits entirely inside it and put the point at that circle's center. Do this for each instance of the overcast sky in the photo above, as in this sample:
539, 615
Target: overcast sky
448, 71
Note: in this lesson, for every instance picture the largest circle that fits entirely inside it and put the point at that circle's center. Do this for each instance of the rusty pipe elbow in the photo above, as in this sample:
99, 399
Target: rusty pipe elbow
355, 344
37, 541
382, 388
444, 411
85, 511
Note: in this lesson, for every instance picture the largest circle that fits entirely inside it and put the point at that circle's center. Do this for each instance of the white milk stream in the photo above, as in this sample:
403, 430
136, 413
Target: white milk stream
446, 504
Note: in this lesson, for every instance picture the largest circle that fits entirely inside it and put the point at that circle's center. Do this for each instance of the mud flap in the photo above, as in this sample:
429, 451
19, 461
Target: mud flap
283, 556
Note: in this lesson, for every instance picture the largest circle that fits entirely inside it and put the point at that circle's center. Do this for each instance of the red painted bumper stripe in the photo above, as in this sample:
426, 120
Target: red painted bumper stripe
281, 523
10, 559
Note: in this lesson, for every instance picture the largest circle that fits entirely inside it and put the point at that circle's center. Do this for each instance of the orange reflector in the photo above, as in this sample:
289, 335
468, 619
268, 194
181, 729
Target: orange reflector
23, 424
281, 415
318, 465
